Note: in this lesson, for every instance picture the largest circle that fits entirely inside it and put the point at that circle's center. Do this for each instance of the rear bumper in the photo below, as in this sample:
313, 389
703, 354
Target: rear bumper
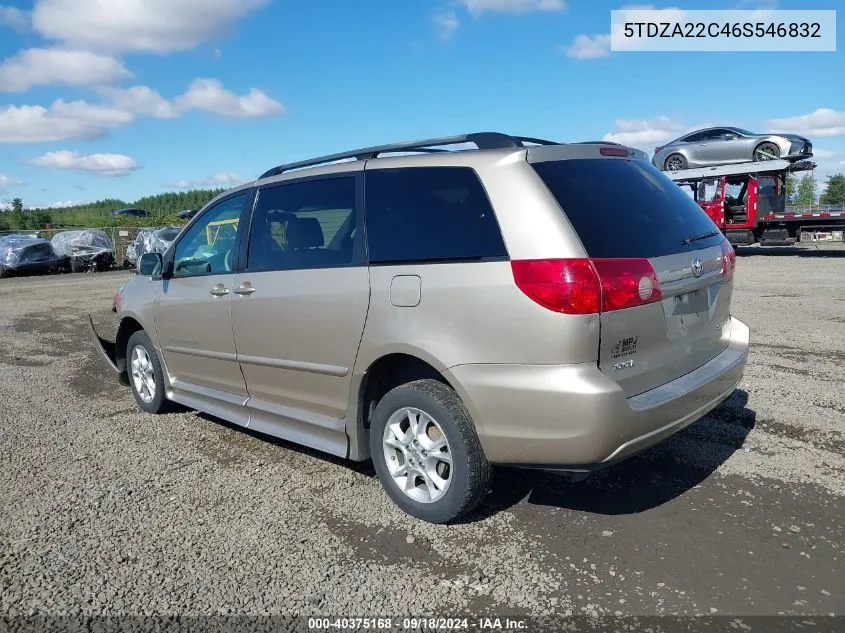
573, 417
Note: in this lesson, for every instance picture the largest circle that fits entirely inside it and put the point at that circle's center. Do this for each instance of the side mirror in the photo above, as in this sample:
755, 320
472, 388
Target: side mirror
149, 264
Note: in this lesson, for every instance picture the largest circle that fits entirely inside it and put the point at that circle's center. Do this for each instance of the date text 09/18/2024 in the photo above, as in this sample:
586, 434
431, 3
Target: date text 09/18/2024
416, 624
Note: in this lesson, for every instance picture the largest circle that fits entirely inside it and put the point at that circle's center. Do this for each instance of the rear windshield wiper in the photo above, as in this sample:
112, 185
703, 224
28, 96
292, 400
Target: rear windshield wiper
703, 236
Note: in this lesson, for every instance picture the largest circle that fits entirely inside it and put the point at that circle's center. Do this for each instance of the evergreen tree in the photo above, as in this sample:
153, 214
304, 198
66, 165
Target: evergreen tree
834, 193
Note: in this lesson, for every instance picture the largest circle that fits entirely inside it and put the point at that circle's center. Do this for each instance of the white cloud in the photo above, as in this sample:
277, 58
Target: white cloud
102, 164
589, 47
75, 120
824, 122
218, 180
44, 66
757, 4
14, 18
157, 26
61, 121
209, 95
512, 6
140, 100
58, 204
11, 181
446, 24
645, 133
599, 45
823, 154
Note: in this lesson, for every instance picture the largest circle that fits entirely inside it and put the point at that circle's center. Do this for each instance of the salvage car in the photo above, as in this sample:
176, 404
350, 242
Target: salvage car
24, 254
442, 312
150, 241
84, 250
728, 145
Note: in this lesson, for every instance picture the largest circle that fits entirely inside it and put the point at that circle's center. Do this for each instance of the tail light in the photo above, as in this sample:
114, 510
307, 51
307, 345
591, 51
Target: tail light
657, 149
587, 286
728, 260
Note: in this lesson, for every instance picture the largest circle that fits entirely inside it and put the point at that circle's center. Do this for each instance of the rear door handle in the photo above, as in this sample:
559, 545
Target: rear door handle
219, 291
245, 289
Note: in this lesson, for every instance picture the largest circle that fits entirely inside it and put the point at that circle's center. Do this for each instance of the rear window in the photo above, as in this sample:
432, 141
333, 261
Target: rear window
626, 208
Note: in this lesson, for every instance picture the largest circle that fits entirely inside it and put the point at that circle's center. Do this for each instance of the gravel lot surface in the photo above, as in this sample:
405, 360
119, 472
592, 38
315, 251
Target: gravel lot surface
108, 510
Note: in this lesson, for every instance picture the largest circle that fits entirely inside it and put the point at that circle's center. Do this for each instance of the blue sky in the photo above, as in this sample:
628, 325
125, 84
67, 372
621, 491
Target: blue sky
156, 95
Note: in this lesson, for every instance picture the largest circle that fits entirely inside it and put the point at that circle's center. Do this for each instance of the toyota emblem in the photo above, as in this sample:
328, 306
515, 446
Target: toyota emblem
697, 267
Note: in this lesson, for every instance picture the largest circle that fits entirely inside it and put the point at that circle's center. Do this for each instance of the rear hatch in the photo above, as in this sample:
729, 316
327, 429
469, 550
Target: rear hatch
648, 238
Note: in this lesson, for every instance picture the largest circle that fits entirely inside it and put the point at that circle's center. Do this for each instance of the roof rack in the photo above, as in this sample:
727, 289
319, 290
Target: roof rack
482, 140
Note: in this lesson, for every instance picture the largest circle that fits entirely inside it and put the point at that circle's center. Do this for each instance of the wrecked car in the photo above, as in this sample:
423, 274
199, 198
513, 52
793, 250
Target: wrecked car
25, 253
84, 250
150, 241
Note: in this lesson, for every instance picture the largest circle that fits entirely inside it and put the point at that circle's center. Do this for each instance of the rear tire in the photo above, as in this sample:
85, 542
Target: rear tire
3, 272
675, 162
447, 472
146, 377
75, 265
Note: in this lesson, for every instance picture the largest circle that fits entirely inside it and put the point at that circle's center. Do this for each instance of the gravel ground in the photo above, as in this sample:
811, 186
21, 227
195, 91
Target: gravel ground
106, 510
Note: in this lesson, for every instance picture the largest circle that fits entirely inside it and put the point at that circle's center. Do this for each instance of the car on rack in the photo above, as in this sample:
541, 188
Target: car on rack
130, 213
525, 303
26, 254
727, 145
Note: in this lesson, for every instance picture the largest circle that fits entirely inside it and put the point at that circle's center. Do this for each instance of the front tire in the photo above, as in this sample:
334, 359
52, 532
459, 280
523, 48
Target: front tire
766, 151
426, 452
146, 377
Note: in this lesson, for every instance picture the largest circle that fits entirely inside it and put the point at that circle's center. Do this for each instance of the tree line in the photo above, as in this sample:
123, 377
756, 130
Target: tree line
802, 192
163, 209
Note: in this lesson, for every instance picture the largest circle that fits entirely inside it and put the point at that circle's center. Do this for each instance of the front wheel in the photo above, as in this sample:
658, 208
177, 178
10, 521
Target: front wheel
766, 151
146, 377
426, 453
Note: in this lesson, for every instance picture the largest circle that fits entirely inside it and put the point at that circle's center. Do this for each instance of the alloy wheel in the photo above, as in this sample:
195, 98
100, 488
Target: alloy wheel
417, 455
143, 374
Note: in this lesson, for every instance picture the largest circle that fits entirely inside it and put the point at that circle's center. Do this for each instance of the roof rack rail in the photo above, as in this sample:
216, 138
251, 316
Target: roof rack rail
482, 140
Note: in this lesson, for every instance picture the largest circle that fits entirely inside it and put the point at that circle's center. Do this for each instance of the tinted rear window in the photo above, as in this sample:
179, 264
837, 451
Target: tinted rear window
429, 214
626, 208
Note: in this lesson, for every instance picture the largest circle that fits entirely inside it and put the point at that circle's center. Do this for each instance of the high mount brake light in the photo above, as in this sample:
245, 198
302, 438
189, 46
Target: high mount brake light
614, 151
587, 286
728, 260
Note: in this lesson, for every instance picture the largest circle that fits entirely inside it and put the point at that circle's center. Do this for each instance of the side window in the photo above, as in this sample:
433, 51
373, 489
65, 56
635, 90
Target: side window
303, 225
714, 135
419, 214
208, 247
693, 138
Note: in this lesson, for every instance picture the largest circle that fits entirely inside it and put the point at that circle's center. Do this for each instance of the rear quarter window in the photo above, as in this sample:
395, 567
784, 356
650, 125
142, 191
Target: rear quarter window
429, 214
626, 208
